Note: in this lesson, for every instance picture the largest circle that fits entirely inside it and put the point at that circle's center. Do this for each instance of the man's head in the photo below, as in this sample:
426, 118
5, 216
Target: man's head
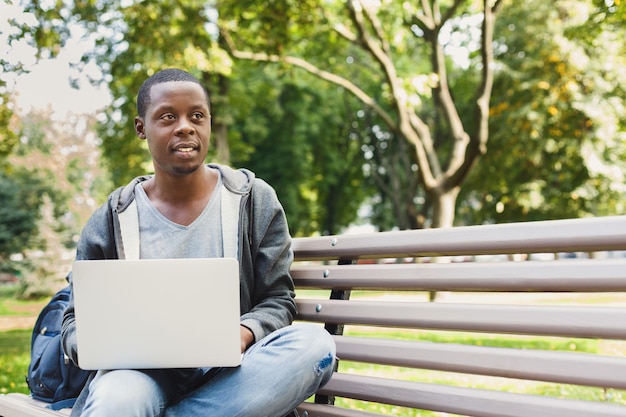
163, 76
175, 120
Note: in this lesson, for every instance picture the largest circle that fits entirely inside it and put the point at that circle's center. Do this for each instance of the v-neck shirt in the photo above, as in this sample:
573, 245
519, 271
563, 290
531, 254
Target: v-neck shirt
161, 238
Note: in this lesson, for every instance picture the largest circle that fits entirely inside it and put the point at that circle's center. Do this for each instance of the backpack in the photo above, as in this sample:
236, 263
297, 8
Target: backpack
52, 377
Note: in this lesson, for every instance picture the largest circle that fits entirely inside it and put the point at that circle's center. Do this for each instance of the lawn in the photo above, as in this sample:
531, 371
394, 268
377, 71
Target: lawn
9, 306
15, 343
14, 359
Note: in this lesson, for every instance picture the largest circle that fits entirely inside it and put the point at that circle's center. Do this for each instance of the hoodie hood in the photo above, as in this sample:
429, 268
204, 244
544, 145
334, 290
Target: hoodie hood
238, 181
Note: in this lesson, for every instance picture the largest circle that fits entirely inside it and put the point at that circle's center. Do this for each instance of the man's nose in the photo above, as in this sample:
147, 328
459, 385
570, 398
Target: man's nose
184, 127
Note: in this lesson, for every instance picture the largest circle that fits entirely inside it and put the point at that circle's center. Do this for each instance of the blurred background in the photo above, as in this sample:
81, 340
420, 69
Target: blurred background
364, 115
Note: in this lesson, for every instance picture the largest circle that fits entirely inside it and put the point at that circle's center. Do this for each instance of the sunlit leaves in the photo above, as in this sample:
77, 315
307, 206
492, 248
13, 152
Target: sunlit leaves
557, 144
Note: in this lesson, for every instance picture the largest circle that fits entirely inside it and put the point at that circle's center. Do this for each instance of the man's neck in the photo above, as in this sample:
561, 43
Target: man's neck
183, 188
182, 199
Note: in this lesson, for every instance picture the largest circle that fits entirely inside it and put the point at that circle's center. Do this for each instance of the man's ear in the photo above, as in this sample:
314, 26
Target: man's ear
140, 127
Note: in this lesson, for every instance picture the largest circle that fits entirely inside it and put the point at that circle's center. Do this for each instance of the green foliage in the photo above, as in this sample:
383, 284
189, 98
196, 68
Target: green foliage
297, 136
21, 193
278, 126
47, 186
132, 42
556, 146
8, 137
275, 26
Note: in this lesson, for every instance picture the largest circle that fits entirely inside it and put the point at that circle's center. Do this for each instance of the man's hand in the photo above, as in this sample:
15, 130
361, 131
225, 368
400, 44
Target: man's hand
247, 338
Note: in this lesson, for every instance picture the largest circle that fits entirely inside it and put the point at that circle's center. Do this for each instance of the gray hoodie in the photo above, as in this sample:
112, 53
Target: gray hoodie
266, 288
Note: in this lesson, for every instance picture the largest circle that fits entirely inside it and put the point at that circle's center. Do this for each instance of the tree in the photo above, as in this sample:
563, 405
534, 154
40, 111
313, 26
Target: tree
8, 138
446, 151
28, 206
19, 196
49, 185
422, 113
133, 42
556, 148
300, 138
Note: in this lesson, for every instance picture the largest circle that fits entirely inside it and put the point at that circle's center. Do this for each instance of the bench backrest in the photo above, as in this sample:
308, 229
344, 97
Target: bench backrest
383, 281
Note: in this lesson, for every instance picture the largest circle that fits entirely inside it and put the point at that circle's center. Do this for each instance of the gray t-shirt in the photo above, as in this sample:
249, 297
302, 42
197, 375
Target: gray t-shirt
161, 238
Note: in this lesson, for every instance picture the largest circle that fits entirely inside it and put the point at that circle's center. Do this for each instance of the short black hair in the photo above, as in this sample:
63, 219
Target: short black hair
163, 76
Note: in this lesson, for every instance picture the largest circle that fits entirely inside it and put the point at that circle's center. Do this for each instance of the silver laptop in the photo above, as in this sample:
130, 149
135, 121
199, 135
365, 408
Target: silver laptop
157, 313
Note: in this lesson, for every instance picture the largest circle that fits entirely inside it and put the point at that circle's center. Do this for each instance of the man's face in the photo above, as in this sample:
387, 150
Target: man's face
177, 126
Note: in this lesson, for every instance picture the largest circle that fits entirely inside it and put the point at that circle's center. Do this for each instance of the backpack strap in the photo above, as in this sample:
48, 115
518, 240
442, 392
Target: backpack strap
229, 208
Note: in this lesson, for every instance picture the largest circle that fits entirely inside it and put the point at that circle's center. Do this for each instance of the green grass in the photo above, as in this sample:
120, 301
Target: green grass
14, 360
11, 306
15, 344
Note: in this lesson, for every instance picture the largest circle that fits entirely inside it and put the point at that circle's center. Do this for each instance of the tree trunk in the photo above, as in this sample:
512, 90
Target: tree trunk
218, 92
444, 203
219, 135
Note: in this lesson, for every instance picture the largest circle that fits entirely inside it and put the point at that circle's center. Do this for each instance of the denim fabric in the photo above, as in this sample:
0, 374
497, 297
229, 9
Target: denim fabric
276, 374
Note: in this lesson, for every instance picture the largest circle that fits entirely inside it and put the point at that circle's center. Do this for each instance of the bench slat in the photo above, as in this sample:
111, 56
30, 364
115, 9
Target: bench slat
566, 321
571, 235
464, 401
322, 410
548, 366
564, 275
21, 405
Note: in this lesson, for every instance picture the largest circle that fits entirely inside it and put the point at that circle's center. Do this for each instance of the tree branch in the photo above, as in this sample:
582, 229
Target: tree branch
451, 11
345, 33
312, 69
375, 22
428, 20
480, 137
407, 118
444, 97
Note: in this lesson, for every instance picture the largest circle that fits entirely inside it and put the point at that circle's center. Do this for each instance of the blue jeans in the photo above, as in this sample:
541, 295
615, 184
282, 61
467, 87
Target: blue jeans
276, 374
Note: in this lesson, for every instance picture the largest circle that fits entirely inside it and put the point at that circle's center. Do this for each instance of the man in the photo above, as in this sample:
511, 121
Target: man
179, 216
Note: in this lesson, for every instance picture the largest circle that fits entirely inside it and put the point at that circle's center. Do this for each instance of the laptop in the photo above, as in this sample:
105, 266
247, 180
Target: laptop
157, 313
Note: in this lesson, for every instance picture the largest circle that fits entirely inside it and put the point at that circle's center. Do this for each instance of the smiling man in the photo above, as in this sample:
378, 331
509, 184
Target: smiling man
179, 217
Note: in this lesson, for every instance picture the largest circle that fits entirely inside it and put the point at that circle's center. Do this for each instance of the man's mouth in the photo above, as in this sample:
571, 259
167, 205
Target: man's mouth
186, 151
185, 147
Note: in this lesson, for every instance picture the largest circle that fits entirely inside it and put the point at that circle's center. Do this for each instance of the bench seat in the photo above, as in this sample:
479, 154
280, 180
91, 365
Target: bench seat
21, 405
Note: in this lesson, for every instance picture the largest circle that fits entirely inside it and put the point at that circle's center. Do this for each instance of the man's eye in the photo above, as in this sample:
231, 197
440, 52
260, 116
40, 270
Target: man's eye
167, 117
198, 116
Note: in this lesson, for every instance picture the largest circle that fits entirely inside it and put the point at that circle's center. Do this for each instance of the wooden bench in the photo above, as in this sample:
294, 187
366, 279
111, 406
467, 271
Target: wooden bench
486, 299
373, 291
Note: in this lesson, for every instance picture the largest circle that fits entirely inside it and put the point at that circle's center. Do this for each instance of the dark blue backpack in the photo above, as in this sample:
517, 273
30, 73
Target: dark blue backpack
52, 377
